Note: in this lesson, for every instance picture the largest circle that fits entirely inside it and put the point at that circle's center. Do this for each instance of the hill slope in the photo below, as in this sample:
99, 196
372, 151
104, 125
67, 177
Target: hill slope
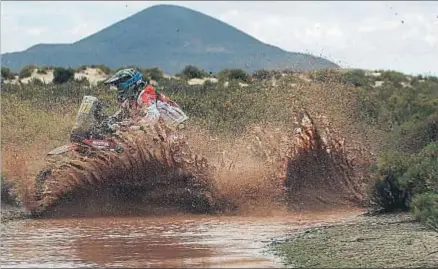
169, 37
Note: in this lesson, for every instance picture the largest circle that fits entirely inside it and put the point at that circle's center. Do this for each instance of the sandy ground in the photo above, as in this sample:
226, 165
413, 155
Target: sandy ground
94, 75
201, 81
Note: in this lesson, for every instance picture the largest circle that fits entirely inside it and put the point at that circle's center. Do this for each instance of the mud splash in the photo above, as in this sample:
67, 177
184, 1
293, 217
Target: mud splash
152, 171
267, 167
321, 170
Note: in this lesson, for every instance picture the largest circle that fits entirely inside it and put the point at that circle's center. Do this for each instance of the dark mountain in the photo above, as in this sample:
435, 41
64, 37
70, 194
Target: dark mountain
168, 37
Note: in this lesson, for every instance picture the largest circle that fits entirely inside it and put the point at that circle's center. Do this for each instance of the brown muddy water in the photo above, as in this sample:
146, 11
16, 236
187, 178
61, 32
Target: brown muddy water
160, 241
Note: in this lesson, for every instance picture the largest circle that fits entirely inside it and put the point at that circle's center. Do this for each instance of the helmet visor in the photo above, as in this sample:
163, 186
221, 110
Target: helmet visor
117, 79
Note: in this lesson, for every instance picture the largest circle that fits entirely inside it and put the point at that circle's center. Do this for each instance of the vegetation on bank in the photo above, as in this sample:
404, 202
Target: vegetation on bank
403, 107
392, 241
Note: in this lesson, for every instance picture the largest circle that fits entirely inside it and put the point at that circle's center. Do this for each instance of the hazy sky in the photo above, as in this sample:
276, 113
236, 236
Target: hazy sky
374, 35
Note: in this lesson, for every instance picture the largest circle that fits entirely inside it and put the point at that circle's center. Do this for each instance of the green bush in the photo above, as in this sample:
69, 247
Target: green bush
356, 78
399, 177
261, 74
234, 74
393, 77
153, 73
83, 81
425, 209
191, 71
414, 135
7, 74
422, 175
386, 193
287, 71
62, 75
392, 107
26, 71
409, 115
43, 69
432, 79
209, 85
326, 76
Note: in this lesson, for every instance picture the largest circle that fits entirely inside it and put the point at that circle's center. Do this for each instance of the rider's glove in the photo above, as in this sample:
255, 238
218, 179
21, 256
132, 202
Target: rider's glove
110, 124
136, 128
113, 127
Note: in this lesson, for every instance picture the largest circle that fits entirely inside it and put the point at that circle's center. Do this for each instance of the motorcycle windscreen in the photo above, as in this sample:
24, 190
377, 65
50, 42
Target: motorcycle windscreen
173, 116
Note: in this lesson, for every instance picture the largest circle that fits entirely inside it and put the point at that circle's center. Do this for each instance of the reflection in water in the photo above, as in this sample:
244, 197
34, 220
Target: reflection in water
138, 243
184, 241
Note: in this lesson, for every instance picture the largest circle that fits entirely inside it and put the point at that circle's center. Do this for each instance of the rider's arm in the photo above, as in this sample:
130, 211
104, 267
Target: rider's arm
163, 98
148, 113
147, 117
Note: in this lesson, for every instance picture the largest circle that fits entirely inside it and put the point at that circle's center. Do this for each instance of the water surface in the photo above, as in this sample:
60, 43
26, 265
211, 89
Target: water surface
176, 241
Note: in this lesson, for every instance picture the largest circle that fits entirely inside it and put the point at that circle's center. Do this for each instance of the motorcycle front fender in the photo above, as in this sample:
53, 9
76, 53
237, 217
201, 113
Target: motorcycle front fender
62, 149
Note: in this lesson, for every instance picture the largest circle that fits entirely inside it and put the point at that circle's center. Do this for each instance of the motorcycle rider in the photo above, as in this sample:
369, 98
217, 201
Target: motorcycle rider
141, 103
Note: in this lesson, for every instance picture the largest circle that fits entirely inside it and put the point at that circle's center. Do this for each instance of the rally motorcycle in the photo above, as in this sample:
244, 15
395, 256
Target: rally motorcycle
93, 129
